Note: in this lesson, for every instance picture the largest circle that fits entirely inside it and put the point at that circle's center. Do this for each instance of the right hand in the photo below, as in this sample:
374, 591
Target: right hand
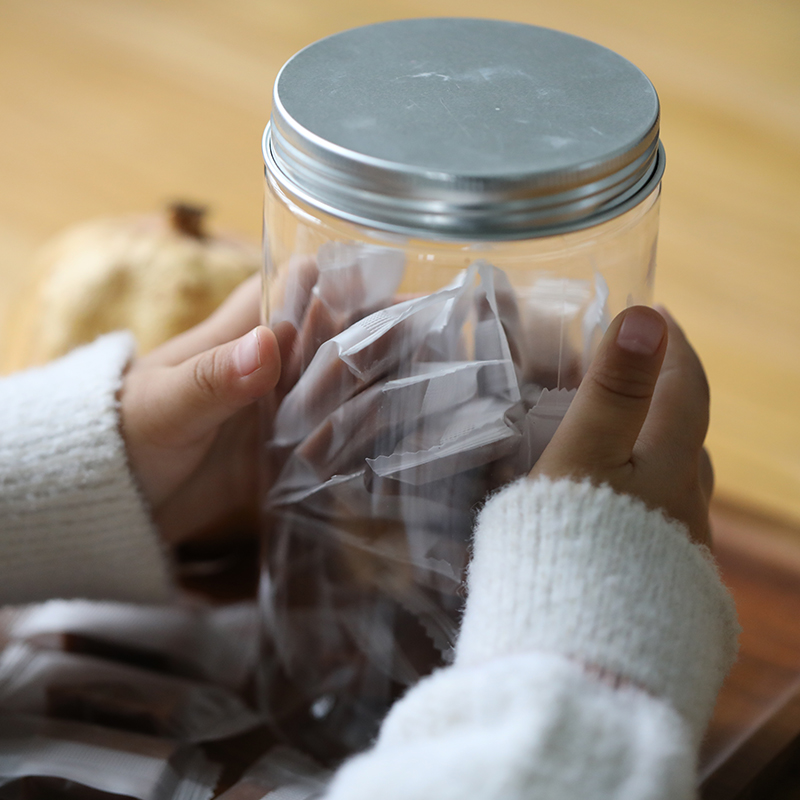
639, 420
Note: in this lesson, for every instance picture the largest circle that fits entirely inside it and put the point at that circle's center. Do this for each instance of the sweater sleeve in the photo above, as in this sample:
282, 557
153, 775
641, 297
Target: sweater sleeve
568, 582
72, 521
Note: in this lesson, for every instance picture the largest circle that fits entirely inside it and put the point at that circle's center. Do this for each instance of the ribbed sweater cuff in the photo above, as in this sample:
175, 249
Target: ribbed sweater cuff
579, 570
73, 522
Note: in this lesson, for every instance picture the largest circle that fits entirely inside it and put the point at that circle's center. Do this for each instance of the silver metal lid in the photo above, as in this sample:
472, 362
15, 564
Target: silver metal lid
464, 128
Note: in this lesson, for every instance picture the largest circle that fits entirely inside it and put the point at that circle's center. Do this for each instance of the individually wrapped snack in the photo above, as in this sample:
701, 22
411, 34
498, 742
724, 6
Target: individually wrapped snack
217, 644
474, 434
540, 424
536, 430
351, 433
498, 328
282, 774
374, 422
596, 319
355, 277
340, 295
291, 293
349, 362
44, 758
551, 315
71, 686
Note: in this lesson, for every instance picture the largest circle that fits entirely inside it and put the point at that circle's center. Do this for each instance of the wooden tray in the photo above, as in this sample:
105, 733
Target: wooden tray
752, 748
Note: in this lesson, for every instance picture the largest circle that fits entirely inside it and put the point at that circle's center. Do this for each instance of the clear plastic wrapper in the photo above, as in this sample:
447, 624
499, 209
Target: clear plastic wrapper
217, 645
78, 687
341, 293
43, 758
381, 453
370, 348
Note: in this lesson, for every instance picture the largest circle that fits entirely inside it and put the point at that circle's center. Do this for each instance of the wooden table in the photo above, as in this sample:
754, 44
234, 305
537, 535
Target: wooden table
752, 746
111, 106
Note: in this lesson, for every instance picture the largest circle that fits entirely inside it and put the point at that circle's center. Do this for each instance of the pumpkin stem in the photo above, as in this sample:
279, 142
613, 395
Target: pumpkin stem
188, 219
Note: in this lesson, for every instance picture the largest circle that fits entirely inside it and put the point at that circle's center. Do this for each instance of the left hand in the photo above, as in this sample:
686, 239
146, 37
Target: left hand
190, 422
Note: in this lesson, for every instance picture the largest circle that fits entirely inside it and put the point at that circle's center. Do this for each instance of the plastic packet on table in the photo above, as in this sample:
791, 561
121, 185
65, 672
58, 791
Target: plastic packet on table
44, 758
83, 688
369, 349
282, 774
211, 644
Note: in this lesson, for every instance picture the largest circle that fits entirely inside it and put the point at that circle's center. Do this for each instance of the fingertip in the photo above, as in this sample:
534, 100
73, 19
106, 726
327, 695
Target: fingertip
247, 354
642, 331
258, 352
604, 421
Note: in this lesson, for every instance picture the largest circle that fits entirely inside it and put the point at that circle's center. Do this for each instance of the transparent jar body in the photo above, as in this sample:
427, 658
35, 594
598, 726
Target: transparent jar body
418, 376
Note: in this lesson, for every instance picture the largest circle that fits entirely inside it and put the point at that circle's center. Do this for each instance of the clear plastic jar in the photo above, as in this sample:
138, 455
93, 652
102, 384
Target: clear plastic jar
437, 308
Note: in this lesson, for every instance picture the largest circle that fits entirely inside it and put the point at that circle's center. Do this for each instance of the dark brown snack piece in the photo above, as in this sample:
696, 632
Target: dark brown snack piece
90, 689
553, 313
355, 277
134, 655
290, 292
116, 705
39, 787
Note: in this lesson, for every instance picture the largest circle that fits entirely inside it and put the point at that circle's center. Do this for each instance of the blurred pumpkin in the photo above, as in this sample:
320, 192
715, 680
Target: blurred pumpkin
154, 274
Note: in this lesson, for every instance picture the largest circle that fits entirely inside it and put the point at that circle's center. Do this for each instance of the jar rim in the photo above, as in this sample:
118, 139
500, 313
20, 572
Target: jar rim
501, 179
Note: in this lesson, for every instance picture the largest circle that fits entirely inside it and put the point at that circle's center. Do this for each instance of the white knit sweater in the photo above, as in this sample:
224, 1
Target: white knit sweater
594, 642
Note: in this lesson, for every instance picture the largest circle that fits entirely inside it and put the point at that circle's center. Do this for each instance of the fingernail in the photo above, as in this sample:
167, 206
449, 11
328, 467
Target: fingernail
641, 332
247, 354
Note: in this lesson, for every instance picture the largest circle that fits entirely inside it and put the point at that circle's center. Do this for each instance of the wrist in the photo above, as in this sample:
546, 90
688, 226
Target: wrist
579, 570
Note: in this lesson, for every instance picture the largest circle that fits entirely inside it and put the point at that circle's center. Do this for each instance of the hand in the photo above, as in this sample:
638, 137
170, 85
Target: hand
189, 420
639, 426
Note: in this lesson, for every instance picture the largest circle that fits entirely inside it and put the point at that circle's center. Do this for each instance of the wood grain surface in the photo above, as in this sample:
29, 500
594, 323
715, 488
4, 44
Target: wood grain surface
110, 106
752, 746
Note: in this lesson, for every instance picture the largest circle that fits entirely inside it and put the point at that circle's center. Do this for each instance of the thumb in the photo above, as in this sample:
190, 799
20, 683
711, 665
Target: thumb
601, 427
201, 393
